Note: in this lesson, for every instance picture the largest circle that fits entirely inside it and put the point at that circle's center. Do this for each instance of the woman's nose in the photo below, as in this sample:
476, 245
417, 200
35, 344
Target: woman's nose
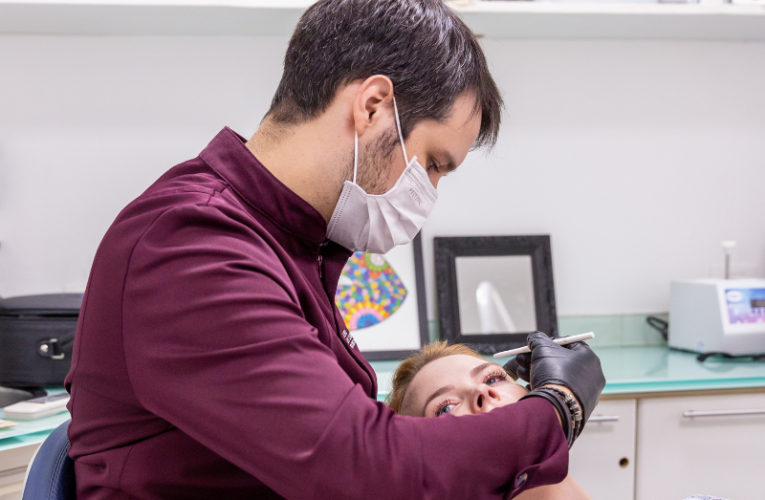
485, 399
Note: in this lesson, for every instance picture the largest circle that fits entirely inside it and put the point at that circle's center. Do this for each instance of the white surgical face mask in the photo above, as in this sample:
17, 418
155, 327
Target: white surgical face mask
376, 223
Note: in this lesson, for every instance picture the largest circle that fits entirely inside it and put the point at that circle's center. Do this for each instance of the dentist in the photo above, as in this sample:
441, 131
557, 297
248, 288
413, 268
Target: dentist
210, 360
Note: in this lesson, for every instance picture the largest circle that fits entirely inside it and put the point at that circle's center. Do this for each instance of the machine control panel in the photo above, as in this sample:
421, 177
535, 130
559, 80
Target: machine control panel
745, 305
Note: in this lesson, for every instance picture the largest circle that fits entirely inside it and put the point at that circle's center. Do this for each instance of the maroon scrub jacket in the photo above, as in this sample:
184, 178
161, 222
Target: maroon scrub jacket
211, 362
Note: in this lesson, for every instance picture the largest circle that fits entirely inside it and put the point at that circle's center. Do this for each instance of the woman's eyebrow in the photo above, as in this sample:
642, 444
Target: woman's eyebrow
478, 369
433, 396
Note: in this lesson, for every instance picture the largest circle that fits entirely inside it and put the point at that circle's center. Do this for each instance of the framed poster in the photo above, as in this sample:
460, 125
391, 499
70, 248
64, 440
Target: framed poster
382, 300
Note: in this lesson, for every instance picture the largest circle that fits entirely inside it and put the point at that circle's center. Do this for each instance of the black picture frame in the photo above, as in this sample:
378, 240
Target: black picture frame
446, 252
422, 310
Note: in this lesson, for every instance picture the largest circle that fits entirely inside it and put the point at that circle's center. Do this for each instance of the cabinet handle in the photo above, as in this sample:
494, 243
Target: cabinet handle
722, 413
604, 418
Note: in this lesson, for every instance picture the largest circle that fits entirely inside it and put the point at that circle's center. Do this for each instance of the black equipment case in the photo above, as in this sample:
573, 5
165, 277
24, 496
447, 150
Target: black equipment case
36, 339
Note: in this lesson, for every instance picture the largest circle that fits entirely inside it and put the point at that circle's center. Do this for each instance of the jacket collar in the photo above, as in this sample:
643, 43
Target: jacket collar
228, 155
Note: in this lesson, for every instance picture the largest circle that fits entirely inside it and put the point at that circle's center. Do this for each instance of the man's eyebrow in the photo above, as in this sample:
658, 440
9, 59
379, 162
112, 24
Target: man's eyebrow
433, 396
478, 369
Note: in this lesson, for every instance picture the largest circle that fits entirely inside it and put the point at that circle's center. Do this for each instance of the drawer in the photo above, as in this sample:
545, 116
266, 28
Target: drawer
16, 458
13, 467
713, 445
12, 491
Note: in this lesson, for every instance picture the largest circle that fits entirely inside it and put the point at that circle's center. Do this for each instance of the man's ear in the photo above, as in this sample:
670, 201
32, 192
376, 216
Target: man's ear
374, 95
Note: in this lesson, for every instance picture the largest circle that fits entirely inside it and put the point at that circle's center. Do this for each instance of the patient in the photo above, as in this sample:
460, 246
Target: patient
454, 379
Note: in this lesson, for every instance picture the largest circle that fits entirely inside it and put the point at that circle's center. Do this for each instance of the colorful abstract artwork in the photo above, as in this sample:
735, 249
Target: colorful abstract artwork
369, 291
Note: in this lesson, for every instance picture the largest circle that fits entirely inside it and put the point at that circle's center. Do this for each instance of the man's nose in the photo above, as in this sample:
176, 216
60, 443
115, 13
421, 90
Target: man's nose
485, 399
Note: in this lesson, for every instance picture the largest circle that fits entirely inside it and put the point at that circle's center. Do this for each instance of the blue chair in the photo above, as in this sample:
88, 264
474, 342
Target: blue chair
51, 474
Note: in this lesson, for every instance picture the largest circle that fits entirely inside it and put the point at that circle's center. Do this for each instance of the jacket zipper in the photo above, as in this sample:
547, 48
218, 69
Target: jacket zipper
320, 259
338, 330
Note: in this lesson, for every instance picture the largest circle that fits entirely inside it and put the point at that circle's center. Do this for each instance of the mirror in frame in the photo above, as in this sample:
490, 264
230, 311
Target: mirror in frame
494, 290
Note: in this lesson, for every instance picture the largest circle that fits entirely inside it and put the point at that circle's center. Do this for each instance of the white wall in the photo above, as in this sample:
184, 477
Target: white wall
637, 157
86, 124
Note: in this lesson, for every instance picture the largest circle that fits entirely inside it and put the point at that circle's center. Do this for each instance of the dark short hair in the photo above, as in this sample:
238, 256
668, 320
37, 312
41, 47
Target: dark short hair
426, 50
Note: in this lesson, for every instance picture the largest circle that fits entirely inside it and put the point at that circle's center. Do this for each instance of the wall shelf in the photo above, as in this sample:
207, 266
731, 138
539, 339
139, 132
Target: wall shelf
143, 17
616, 20
597, 20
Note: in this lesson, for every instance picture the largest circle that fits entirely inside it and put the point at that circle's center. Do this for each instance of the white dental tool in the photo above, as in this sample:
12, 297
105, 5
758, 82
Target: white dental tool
560, 341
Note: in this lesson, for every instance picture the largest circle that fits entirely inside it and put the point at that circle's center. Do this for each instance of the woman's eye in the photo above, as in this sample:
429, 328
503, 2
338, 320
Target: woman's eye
493, 378
444, 409
434, 166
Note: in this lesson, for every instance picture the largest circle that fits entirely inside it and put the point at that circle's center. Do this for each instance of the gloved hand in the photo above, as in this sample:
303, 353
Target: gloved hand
574, 366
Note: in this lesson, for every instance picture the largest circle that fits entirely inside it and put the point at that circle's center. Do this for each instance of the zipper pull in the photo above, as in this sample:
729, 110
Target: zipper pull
320, 259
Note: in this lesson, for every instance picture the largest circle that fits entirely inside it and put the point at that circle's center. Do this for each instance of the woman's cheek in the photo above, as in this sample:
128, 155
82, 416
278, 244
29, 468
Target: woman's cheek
514, 392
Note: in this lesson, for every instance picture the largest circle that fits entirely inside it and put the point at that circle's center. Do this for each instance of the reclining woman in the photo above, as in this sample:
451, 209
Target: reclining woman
446, 379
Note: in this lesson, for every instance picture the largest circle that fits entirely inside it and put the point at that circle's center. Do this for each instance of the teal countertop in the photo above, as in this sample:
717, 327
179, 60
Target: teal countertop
633, 370
25, 440
628, 370
29, 432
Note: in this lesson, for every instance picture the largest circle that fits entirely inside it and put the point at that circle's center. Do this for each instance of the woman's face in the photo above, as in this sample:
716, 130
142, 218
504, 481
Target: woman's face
459, 385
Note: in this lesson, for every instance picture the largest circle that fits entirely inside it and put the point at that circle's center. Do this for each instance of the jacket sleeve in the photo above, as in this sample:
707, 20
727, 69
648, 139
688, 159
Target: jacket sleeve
216, 344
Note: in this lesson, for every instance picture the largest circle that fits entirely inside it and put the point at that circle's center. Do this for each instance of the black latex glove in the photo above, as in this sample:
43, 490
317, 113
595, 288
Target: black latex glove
574, 366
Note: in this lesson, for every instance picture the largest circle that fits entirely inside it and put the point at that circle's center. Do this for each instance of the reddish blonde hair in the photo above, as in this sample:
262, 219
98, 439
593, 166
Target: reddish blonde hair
407, 370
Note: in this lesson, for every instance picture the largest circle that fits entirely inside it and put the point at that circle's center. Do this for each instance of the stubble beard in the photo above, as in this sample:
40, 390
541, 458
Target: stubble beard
374, 163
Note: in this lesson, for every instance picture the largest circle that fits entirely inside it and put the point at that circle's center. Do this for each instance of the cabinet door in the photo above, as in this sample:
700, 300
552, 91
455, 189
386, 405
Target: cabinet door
701, 445
602, 460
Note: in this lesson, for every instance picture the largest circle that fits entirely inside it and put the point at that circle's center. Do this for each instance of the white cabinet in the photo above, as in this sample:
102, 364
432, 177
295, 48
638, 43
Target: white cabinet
701, 444
13, 466
10, 487
603, 458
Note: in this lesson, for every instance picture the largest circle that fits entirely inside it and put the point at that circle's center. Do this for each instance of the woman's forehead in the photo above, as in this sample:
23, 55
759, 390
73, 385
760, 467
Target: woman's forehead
440, 372
449, 366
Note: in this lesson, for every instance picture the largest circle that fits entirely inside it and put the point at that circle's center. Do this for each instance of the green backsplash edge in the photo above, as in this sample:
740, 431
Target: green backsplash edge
611, 330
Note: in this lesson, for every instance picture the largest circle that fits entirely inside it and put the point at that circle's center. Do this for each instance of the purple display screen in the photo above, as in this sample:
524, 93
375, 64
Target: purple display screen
745, 305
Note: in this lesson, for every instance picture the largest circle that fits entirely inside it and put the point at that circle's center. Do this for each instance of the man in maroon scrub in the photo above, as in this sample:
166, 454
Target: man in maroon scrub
210, 360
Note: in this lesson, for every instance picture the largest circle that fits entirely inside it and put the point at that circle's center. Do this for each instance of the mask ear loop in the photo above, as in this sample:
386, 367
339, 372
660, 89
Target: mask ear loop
400, 135
355, 156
